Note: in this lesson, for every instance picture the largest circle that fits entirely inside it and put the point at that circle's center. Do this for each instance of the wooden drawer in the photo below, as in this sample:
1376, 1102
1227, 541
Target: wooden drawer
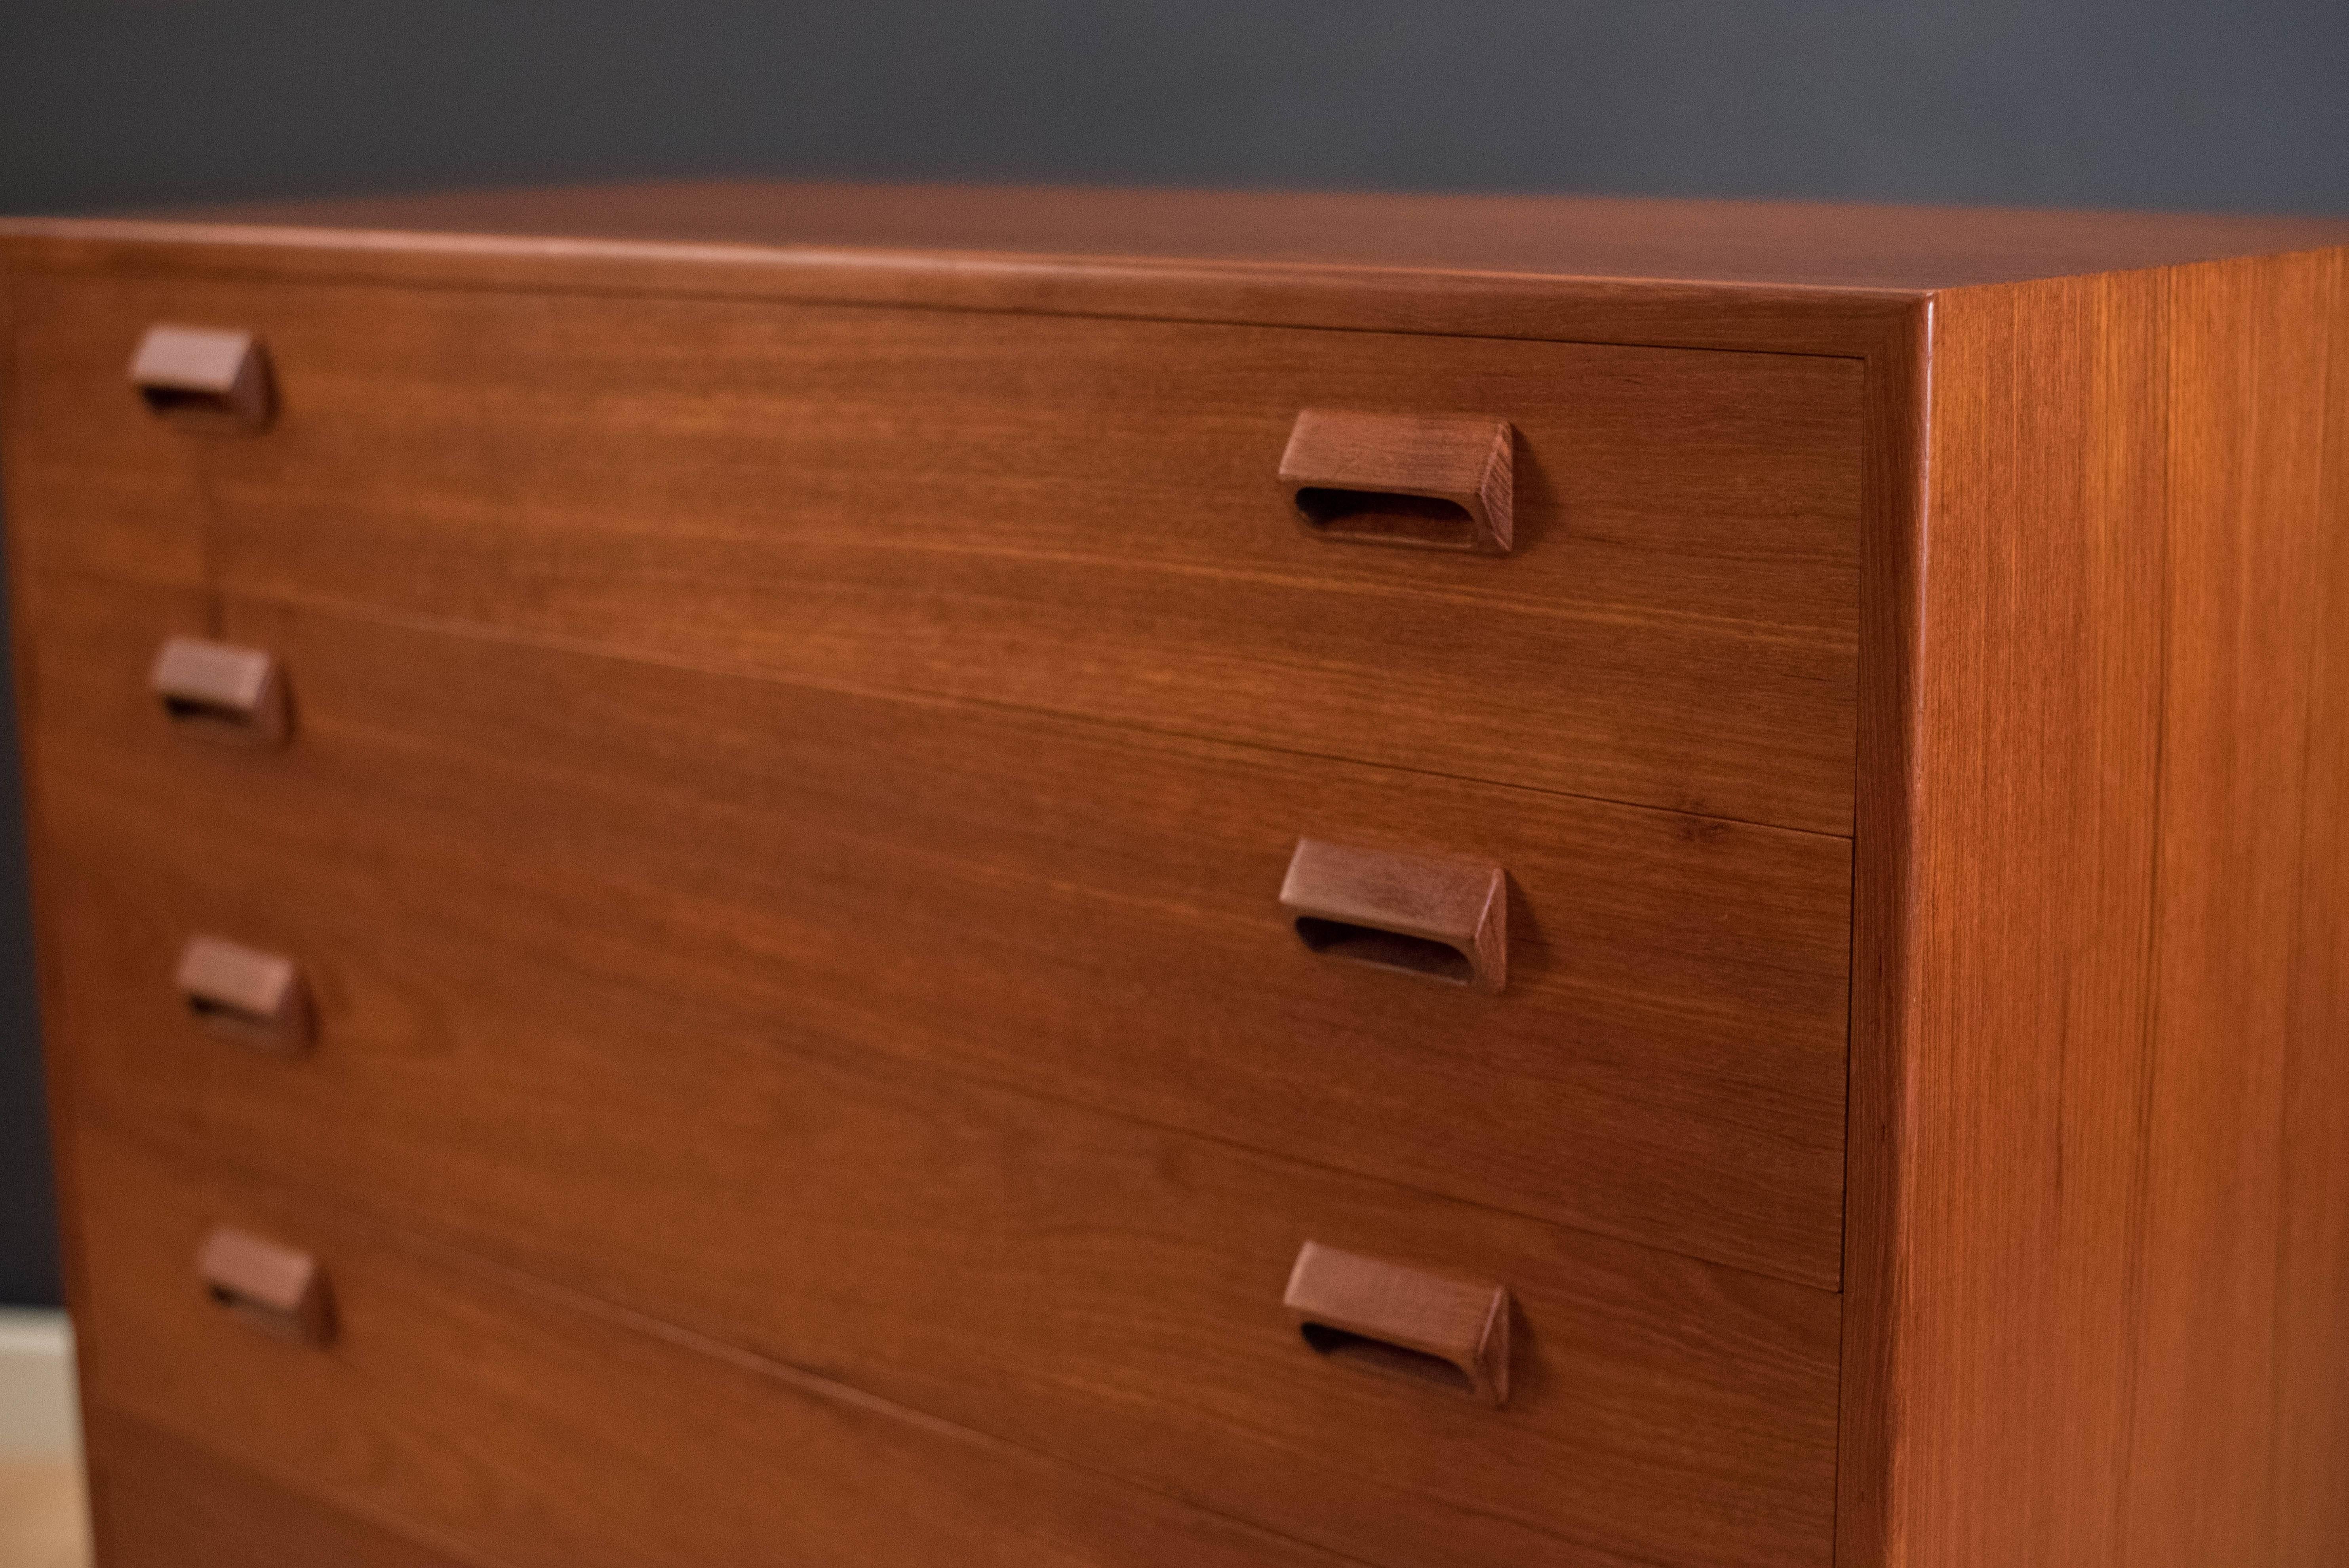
1099, 1292
160, 1502
538, 1428
496, 1063
1062, 513
1087, 913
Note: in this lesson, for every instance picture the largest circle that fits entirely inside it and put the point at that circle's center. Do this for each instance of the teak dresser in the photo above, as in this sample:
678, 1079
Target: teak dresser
744, 874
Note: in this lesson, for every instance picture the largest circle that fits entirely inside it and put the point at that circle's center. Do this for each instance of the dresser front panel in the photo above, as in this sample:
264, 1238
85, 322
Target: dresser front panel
1061, 513
507, 1055
541, 1430
1085, 913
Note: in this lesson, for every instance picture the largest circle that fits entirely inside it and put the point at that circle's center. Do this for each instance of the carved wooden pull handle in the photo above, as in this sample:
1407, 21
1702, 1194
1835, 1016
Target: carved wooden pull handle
1434, 481
1394, 1318
205, 377
223, 692
1441, 917
272, 1287
254, 997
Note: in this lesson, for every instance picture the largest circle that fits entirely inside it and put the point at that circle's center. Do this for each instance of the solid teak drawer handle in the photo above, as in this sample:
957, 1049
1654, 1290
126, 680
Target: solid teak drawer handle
272, 1287
222, 691
1437, 481
1445, 918
253, 996
205, 377
1392, 1317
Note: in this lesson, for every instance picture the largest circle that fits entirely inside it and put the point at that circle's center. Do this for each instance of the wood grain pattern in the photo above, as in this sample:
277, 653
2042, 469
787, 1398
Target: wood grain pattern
1081, 1285
1090, 914
2068, 1343
2249, 558
1072, 512
469, 1404
160, 1502
2060, 543
1747, 317
2084, 476
2312, 1417
1103, 1295
1813, 244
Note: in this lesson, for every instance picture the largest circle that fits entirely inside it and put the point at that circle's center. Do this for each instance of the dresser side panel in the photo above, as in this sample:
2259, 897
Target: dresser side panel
2312, 1384
1998, 1074
2112, 1236
2245, 593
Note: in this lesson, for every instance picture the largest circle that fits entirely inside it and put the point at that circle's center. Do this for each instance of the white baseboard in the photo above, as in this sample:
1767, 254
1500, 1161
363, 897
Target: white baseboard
39, 1416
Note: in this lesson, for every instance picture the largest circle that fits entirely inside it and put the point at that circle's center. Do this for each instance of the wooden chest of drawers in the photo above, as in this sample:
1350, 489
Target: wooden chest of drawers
744, 874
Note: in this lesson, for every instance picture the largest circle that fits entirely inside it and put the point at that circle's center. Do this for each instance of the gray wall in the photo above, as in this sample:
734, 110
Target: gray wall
2154, 103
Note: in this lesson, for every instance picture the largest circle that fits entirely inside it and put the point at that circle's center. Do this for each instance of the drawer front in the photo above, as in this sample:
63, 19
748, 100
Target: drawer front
1081, 912
536, 1429
512, 1073
1104, 1294
1059, 513
160, 1502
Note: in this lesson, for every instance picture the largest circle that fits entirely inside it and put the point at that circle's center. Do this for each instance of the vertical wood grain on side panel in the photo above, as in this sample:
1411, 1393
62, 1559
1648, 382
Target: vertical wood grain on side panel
2312, 1415
2007, 967
2245, 581
2097, 857
2111, 1246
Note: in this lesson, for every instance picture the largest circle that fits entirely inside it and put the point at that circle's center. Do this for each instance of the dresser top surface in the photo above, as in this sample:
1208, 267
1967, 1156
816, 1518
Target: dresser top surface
1750, 242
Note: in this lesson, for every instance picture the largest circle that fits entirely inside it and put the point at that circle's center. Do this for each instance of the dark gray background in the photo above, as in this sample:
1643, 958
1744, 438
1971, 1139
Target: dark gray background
2154, 103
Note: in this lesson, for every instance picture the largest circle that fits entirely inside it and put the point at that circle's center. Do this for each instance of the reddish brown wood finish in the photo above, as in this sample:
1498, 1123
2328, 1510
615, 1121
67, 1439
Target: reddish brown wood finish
1810, 245
1003, 1264
1074, 508
162, 1501
640, 1096
541, 1429
2096, 1232
2061, 494
2311, 1418
1087, 913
